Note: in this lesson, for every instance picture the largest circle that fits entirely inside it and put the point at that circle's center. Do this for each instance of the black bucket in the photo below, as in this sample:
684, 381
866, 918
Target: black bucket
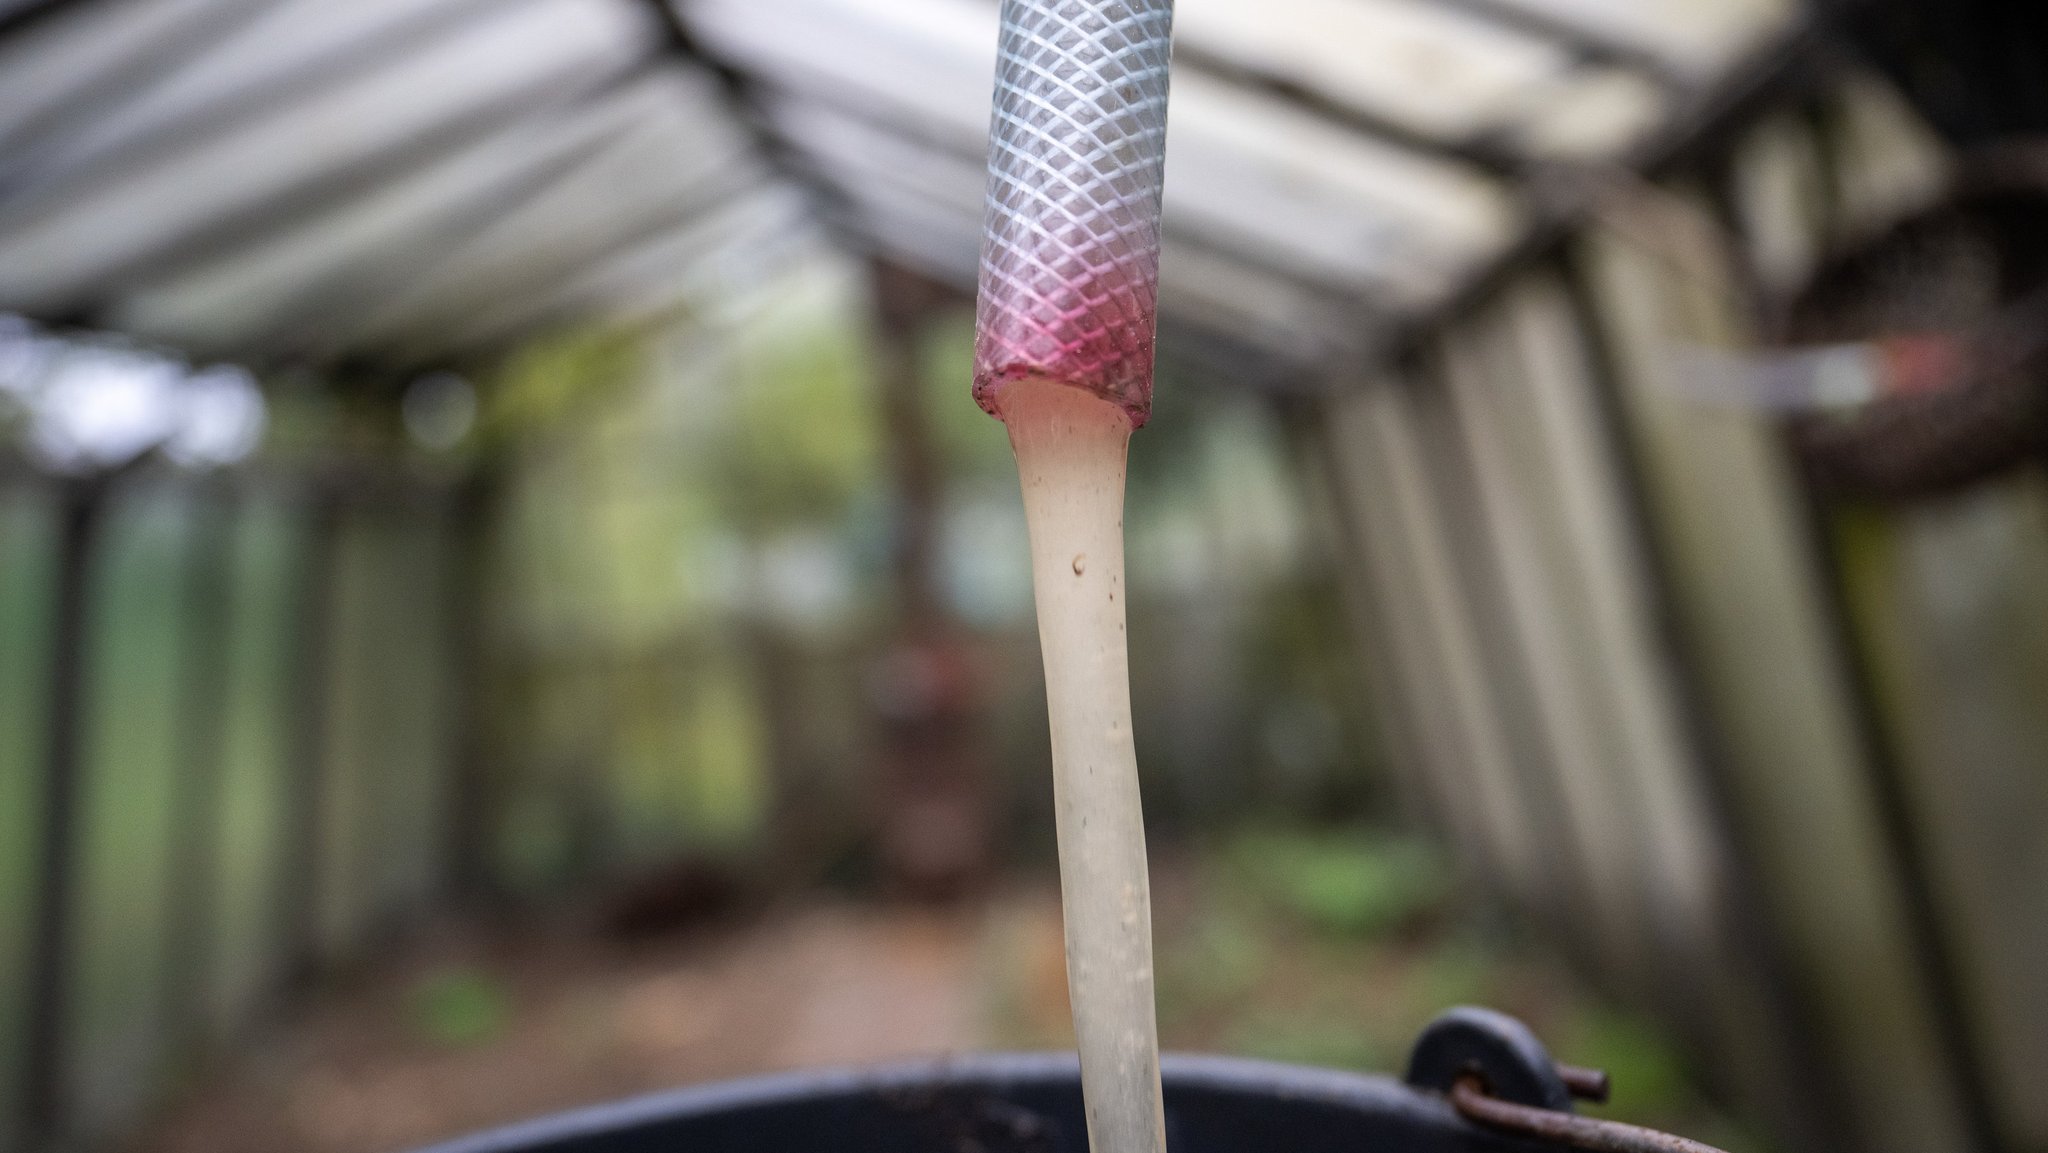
1031, 1103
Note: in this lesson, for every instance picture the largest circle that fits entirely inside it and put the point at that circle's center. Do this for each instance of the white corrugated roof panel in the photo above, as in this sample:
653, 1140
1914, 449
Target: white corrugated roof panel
307, 178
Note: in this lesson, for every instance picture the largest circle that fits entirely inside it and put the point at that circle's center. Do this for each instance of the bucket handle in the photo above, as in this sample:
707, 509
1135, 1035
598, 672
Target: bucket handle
1497, 1074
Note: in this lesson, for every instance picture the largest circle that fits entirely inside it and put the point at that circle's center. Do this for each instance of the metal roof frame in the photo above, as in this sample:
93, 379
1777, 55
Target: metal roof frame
308, 199
130, 79
257, 101
345, 291
750, 97
864, 111
1589, 45
742, 95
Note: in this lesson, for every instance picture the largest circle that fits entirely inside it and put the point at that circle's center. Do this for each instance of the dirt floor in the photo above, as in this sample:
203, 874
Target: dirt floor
475, 1030
470, 1034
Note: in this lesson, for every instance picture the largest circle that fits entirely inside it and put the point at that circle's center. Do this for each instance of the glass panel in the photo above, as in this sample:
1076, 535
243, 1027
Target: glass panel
1547, 370
49, 255
1445, 72
1889, 162
918, 182
385, 756
693, 258
1252, 173
1322, 199
352, 756
1260, 308
742, 269
27, 568
1407, 531
239, 298
414, 677
938, 56
926, 208
930, 237
1779, 192
1746, 590
1250, 167
1591, 112
1696, 36
257, 750
656, 172
129, 747
41, 71
283, 41
875, 164
1948, 597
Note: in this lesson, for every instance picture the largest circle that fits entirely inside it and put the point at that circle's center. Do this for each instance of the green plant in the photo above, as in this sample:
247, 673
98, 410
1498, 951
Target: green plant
458, 1007
1349, 883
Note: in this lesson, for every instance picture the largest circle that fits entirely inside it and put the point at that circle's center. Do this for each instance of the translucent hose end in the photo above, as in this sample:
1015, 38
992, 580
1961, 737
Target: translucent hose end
1070, 244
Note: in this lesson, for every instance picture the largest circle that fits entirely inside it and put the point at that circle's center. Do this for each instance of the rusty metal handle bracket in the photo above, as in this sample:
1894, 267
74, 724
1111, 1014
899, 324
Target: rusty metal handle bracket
1470, 1099
1496, 1073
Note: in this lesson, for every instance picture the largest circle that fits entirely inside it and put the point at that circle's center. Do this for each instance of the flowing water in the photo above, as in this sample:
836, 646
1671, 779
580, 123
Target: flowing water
1070, 447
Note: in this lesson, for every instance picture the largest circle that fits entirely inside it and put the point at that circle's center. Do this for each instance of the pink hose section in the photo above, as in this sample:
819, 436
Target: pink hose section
1070, 244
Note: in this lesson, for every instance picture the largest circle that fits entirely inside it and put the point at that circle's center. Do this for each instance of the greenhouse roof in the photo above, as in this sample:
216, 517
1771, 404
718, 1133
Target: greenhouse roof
414, 182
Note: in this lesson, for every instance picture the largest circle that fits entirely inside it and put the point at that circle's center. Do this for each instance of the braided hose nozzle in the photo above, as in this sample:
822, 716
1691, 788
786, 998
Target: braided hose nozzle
1070, 243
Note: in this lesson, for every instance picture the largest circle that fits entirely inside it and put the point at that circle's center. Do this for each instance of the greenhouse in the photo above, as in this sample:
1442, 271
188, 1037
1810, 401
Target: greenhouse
483, 472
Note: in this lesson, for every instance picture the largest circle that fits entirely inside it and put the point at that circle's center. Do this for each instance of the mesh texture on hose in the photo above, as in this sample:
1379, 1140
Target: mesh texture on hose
1070, 244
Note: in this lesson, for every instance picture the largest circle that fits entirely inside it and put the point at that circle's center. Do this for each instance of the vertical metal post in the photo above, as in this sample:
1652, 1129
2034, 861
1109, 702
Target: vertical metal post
1904, 842
466, 859
904, 304
1565, 906
1313, 434
301, 848
1817, 1109
192, 870
935, 829
47, 1059
1961, 1037
1940, 973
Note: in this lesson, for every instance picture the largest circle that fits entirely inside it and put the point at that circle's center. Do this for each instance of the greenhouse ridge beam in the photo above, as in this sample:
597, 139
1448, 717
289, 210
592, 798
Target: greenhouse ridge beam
956, 147
1477, 152
742, 97
1791, 65
745, 91
1586, 43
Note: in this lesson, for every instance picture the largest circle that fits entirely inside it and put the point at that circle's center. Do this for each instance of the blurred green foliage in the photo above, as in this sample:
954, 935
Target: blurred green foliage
1339, 881
1335, 946
27, 534
1635, 1055
803, 440
971, 444
682, 527
1308, 1038
457, 1007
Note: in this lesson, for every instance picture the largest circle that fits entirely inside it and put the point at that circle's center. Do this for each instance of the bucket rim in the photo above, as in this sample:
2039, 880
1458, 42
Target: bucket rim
998, 1070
